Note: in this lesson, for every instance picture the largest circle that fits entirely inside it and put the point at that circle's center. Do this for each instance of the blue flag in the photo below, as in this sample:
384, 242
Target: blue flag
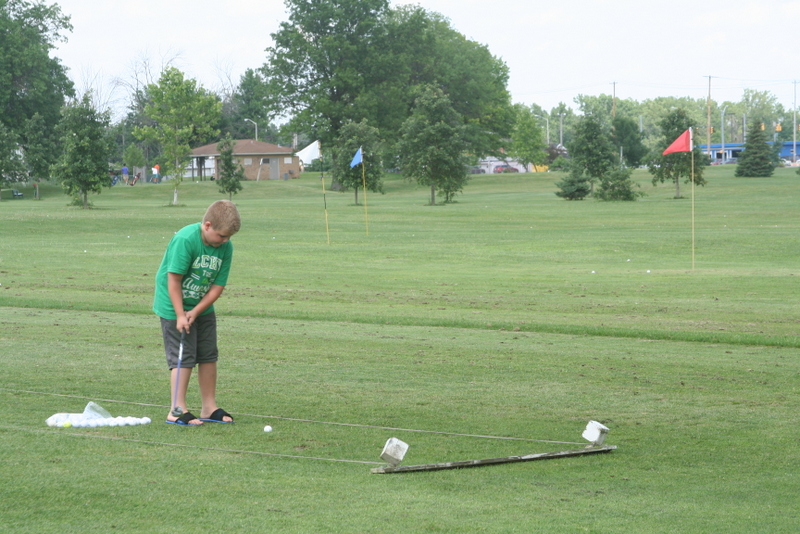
357, 158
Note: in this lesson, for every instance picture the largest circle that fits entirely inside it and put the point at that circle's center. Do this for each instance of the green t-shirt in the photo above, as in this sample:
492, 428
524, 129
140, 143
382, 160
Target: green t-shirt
201, 266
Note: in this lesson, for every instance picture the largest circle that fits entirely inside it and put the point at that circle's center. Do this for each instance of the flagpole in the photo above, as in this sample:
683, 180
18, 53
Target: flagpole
364, 181
691, 144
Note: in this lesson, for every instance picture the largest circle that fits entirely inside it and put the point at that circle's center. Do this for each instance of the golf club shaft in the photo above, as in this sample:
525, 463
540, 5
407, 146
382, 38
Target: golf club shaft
178, 376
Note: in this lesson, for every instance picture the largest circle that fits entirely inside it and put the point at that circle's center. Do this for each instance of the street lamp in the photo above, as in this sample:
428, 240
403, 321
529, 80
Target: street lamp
548, 127
722, 132
256, 124
561, 129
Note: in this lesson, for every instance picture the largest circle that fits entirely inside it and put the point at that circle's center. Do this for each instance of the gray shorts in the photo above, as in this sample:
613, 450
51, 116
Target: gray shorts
199, 345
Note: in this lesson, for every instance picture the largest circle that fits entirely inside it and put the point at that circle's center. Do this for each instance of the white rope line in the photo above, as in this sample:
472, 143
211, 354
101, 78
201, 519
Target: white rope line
356, 425
165, 444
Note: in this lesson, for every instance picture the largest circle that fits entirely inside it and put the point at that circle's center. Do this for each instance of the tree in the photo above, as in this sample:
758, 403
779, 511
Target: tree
134, 156
575, 185
316, 68
352, 137
182, 114
617, 185
251, 100
591, 148
527, 141
231, 173
82, 167
34, 85
12, 167
677, 165
628, 140
340, 61
756, 160
432, 145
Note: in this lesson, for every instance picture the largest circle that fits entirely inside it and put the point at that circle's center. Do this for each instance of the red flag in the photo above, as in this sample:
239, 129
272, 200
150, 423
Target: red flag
682, 144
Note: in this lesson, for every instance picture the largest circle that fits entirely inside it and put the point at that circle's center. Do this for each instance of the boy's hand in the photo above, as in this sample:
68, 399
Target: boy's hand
184, 323
191, 316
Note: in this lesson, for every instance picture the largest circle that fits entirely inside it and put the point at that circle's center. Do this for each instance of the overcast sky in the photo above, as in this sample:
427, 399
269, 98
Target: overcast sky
555, 50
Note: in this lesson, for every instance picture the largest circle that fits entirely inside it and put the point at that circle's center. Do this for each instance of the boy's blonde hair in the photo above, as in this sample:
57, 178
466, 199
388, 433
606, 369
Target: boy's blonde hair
224, 217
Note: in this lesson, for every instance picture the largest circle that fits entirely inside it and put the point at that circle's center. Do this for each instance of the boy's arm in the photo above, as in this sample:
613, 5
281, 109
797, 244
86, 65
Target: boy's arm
174, 281
207, 300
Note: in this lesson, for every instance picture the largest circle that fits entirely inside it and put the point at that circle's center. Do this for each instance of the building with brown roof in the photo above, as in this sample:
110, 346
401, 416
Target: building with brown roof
260, 160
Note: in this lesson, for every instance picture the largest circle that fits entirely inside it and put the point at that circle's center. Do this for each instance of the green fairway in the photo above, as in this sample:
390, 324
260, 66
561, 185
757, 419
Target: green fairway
510, 313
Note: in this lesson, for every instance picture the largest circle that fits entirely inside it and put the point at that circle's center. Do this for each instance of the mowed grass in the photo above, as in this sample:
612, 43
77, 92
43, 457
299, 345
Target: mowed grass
510, 313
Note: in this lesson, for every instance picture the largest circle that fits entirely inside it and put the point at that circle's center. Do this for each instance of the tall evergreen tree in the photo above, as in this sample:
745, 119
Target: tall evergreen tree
757, 159
231, 173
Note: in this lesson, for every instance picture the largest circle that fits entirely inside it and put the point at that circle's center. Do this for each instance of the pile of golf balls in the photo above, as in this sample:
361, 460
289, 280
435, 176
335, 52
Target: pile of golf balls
67, 420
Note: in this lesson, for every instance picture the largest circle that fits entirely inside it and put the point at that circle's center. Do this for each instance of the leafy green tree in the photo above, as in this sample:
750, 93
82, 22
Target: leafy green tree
352, 136
33, 85
316, 68
134, 156
82, 167
756, 160
12, 167
527, 140
617, 185
432, 145
628, 139
677, 165
40, 146
231, 173
182, 114
250, 100
591, 148
340, 61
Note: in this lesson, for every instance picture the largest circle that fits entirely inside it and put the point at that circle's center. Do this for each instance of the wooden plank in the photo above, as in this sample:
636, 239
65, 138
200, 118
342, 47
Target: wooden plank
492, 461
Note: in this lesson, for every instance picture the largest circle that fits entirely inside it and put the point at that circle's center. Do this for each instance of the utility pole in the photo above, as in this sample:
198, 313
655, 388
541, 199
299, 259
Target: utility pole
708, 120
614, 100
722, 129
794, 125
547, 121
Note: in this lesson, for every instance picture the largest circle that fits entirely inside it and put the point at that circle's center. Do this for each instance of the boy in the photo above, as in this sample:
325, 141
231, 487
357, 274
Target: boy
191, 278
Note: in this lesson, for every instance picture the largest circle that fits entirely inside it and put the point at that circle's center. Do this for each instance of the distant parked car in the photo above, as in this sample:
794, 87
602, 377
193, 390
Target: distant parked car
504, 168
476, 170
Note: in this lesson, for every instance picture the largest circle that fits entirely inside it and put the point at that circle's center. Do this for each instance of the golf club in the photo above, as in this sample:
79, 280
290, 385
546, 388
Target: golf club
177, 411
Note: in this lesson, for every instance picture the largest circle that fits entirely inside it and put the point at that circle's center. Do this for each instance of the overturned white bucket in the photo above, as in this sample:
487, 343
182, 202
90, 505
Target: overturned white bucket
394, 451
595, 432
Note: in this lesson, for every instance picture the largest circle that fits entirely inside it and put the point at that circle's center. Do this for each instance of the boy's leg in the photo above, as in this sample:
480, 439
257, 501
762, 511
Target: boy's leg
186, 374
172, 340
207, 354
207, 378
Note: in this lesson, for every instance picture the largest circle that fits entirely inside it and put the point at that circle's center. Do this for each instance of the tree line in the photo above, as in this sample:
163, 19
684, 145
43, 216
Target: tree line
400, 83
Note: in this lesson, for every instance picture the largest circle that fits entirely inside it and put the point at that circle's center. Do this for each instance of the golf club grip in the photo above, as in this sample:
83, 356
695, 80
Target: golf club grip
180, 348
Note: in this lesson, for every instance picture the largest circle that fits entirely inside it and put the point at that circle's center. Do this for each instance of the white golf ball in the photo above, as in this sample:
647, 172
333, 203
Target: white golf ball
648, 270
267, 428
